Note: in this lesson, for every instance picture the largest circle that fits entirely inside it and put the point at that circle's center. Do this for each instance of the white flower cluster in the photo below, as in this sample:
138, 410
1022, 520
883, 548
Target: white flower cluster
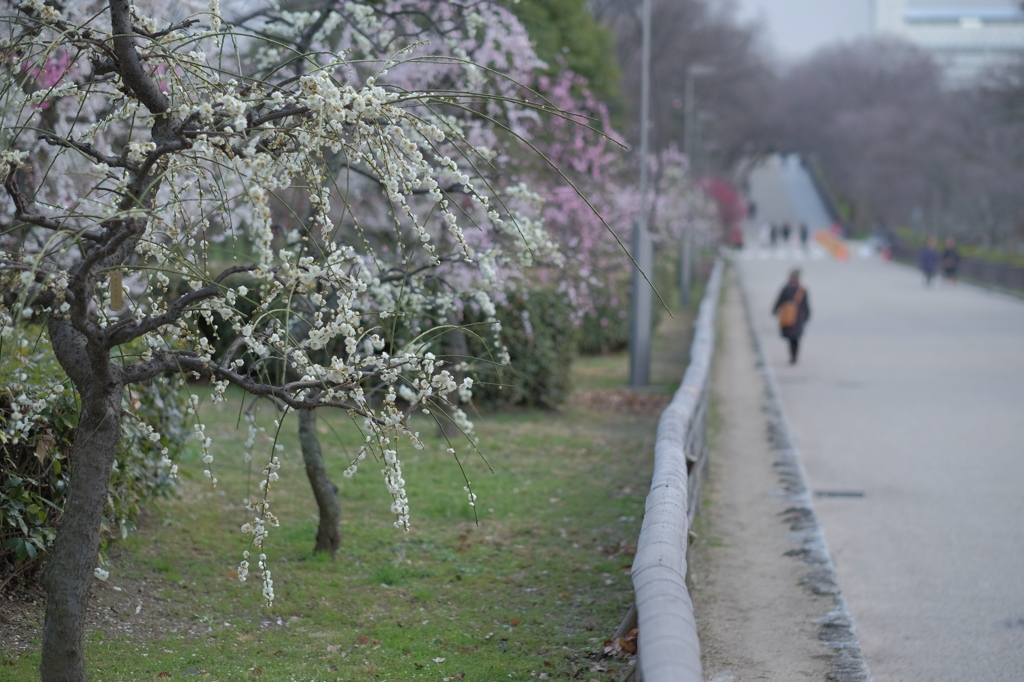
257, 528
392, 473
268, 584
30, 397
199, 431
46, 13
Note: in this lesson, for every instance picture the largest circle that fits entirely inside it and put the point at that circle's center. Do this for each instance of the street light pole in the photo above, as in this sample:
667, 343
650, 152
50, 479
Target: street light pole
640, 310
693, 72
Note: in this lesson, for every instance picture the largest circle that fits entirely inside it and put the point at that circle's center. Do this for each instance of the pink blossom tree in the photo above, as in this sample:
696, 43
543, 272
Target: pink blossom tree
592, 203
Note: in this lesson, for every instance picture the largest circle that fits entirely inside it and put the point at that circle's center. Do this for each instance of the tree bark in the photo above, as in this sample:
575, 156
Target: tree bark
68, 574
328, 535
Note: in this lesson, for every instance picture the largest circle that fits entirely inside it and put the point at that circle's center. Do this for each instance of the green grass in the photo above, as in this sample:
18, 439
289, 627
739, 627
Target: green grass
535, 585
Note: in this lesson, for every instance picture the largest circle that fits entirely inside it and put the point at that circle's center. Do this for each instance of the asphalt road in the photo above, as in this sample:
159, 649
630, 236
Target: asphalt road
913, 396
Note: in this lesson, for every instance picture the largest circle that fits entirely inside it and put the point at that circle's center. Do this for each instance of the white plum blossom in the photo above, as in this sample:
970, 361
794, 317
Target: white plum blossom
293, 211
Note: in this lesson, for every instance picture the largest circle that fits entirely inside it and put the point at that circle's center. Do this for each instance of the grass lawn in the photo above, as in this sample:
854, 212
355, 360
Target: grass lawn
529, 590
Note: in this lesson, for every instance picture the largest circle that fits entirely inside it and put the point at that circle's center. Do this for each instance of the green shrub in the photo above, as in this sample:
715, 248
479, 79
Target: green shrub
537, 329
605, 329
34, 462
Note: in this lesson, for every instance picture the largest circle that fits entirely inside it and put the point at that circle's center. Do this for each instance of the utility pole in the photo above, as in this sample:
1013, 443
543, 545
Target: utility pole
640, 311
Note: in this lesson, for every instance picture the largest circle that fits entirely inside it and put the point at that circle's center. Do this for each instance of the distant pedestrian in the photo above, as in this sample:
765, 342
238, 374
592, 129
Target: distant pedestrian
793, 311
804, 234
764, 235
786, 230
929, 259
773, 234
950, 260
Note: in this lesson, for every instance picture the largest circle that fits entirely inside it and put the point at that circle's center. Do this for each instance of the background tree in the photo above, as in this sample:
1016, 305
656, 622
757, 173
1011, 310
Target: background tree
567, 36
684, 33
865, 111
899, 146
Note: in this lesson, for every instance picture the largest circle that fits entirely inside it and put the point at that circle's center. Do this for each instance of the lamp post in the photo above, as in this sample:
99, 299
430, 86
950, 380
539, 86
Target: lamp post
693, 72
640, 309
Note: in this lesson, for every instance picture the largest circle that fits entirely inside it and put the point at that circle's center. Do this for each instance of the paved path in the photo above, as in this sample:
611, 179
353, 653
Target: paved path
755, 620
915, 397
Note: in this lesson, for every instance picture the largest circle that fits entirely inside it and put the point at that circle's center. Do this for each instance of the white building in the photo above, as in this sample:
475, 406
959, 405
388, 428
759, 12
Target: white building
964, 36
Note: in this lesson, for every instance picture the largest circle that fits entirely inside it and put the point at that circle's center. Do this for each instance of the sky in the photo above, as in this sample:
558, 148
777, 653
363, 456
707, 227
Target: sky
795, 28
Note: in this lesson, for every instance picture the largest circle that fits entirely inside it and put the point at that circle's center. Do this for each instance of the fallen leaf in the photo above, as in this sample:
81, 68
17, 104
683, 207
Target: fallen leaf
438, 660
363, 640
333, 647
164, 674
44, 443
514, 622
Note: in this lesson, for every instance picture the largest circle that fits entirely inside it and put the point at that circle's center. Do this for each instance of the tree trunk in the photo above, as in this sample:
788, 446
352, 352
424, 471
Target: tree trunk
328, 535
68, 574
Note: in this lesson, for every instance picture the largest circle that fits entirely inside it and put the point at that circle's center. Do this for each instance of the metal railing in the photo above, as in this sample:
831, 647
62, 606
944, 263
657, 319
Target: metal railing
668, 649
1003, 275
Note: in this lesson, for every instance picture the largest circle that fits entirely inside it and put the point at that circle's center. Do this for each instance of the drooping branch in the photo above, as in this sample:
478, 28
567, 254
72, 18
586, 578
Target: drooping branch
129, 329
190, 362
87, 149
167, 31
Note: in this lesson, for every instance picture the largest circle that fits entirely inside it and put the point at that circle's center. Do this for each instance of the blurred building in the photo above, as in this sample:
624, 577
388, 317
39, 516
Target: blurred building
965, 36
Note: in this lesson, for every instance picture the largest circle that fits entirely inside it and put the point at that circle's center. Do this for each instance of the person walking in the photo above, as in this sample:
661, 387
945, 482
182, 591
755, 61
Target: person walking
804, 234
786, 230
950, 260
793, 311
929, 260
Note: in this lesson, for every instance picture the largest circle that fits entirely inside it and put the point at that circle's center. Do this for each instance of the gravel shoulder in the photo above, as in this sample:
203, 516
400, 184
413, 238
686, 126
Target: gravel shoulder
756, 620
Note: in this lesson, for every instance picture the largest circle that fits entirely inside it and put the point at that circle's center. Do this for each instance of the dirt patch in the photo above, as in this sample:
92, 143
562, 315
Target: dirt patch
122, 607
622, 401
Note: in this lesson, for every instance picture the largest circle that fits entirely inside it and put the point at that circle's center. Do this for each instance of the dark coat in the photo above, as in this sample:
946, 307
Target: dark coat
788, 293
929, 259
950, 261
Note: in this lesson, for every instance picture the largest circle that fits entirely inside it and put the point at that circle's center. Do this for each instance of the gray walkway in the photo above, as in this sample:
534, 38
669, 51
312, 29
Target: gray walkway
915, 397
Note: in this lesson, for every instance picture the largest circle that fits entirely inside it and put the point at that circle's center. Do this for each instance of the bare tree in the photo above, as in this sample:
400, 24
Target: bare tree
687, 33
900, 148
869, 113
